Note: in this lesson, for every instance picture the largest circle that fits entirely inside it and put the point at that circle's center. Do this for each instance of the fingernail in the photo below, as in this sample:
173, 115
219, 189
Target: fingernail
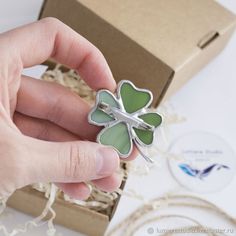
107, 161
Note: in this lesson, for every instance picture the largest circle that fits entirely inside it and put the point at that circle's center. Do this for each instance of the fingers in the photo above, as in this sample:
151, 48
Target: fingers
69, 162
59, 105
109, 184
53, 102
75, 190
82, 191
133, 154
36, 42
42, 129
45, 130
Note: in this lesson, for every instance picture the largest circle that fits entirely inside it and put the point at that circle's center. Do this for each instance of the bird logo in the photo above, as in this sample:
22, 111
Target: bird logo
201, 174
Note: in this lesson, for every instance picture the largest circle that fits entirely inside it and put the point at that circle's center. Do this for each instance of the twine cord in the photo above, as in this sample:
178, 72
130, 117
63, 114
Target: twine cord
131, 224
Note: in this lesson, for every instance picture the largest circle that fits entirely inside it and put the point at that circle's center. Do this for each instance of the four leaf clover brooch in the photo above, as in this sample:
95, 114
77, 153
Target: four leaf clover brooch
125, 119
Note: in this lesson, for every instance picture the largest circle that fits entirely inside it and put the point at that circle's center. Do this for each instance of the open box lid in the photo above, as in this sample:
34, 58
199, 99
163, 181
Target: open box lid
157, 44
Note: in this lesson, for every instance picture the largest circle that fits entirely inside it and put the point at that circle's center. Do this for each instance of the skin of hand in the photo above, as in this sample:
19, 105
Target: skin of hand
44, 132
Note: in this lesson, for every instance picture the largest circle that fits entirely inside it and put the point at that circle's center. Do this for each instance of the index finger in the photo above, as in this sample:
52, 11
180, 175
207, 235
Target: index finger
36, 42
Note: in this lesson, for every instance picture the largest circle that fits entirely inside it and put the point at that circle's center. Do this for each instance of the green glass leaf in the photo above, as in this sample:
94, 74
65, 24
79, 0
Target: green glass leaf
146, 136
117, 136
151, 118
133, 98
98, 116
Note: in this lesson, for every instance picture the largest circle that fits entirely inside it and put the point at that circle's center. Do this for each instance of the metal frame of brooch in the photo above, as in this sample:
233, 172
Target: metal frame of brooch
125, 118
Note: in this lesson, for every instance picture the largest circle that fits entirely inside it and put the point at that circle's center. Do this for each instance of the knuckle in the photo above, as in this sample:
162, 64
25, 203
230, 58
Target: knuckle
55, 113
73, 164
97, 53
94, 53
79, 166
100, 54
50, 21
15, 70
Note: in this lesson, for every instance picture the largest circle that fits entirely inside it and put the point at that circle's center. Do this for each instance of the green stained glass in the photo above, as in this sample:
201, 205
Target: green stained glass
99, 116
121, 126
118, 137
151, 118
146, 136
133, 99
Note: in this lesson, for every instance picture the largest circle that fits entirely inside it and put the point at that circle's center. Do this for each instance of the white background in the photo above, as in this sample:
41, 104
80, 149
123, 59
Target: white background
207, 102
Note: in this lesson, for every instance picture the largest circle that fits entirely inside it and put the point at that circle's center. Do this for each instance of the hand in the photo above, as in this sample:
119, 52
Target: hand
43, 125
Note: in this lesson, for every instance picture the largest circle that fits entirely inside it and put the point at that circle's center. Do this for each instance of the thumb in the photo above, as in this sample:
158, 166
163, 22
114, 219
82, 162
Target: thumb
70, 162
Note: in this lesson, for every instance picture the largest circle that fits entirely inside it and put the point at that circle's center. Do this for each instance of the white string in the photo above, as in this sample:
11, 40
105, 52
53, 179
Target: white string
138, 219
37, 222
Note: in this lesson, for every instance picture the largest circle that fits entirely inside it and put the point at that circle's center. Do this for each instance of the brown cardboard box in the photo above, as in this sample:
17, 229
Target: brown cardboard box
157, 44
72, 216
